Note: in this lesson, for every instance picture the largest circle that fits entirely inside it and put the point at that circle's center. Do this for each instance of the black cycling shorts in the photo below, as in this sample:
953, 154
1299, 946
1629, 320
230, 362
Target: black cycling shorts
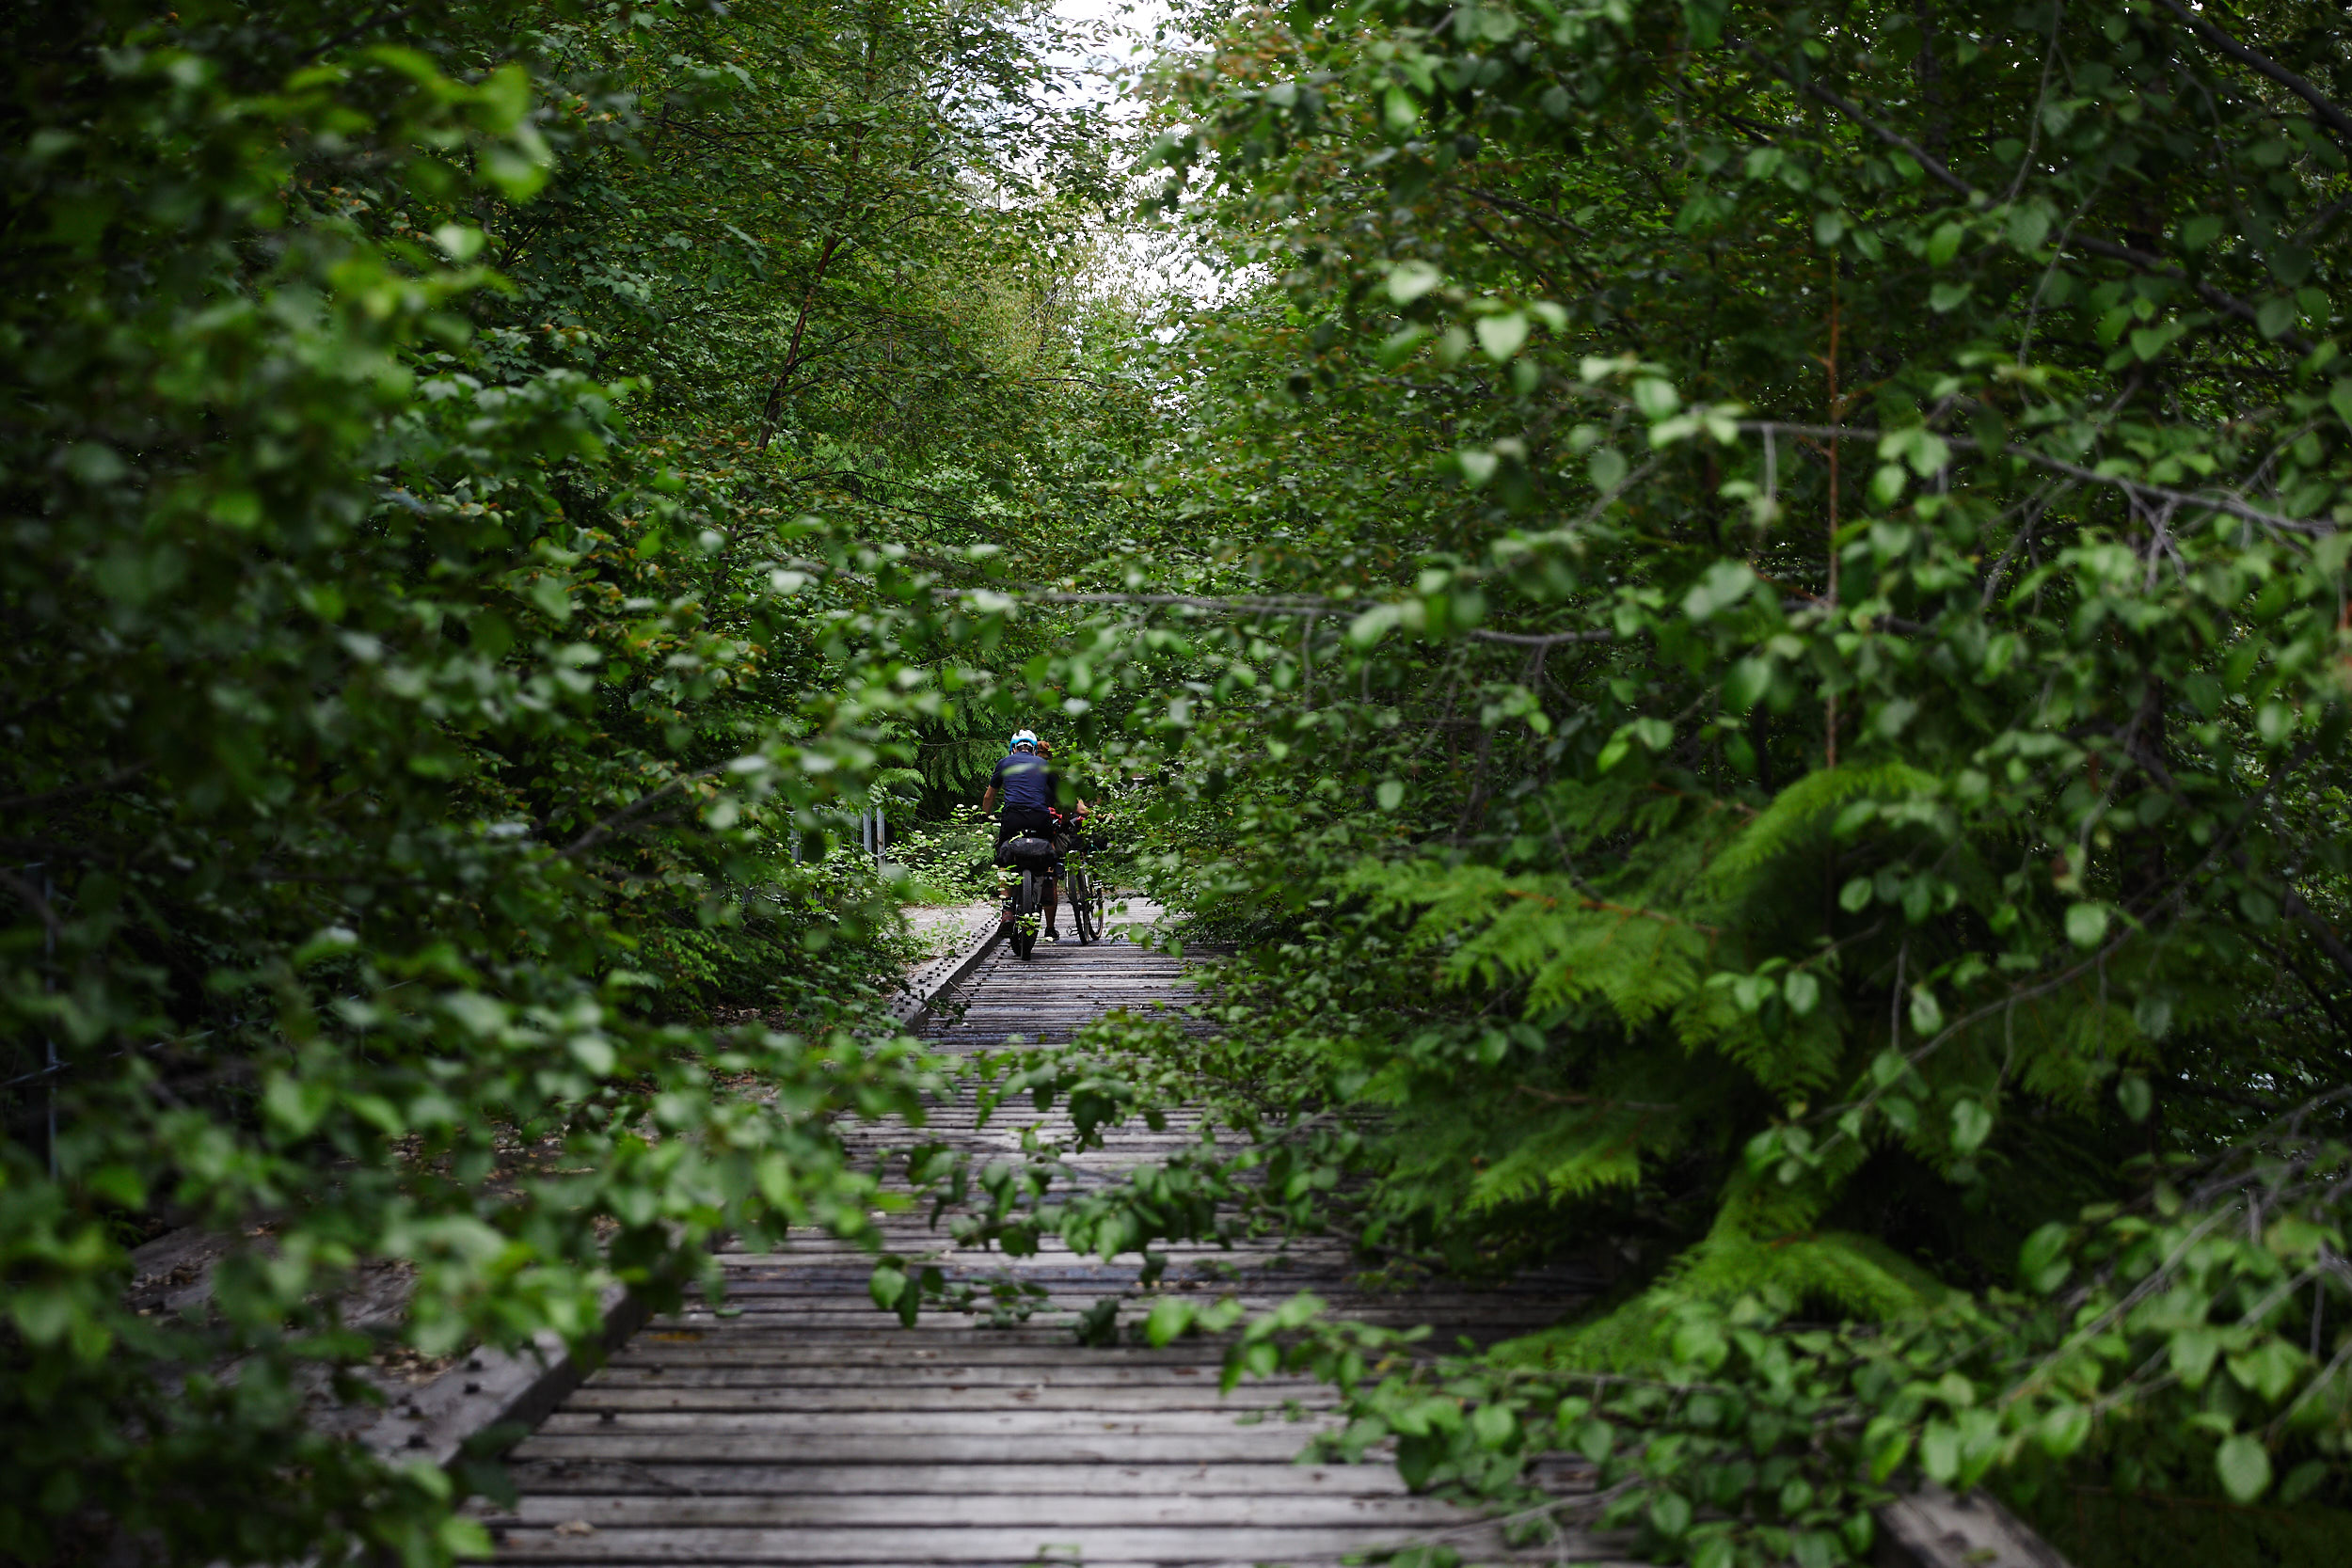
1019, 820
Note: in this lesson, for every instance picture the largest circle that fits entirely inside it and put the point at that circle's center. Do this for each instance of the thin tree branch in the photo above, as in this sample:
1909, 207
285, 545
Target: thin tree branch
115, 780
605, 829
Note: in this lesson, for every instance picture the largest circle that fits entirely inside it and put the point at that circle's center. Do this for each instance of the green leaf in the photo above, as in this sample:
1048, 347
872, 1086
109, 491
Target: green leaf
594, 1052
2062, 1430
463, 243
1698, 1341
1503, 336
1720, 587
2087, 923
1939, 1451
1399, 346
886, 1285
2028, 226
1410, 280
1606, 467
517, 171
43, 1316
1391, 794
464, 1539
1946, 298
1972, 1123
1494, 1425
2133, 1094
1745, 685
2191, 1351
1803, 991
1374, 623
1168, 1320
1927, 1013
2244, 1466
1655, 398
2042, 1262
2268, 1369
292, 1106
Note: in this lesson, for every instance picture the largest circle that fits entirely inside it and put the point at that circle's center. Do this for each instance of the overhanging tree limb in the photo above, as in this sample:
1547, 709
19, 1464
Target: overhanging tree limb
2324, 108
2218, 298
2138, 489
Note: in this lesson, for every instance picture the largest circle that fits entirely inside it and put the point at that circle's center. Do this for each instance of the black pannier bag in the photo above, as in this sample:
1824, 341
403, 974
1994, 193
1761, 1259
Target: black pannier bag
1026, 853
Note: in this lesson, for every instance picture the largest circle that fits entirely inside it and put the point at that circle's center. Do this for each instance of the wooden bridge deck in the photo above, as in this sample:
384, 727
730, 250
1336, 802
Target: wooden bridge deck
808, 1429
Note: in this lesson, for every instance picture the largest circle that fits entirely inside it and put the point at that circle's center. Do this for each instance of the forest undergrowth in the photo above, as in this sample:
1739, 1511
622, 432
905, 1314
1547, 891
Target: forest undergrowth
1737, 612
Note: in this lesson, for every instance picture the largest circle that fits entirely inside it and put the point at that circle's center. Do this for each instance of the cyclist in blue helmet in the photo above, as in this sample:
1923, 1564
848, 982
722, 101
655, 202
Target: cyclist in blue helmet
1030, 788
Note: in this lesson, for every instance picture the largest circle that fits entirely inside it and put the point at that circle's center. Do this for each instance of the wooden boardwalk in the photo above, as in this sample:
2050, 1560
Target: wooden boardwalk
809, 1429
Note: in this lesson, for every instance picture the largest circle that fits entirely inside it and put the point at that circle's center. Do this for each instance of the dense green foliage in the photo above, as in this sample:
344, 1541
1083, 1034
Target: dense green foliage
424, 711
1781, 722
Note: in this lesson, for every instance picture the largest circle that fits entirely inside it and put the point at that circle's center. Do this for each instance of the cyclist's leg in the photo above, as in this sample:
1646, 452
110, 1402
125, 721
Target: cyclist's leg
1053, 885
1005, 830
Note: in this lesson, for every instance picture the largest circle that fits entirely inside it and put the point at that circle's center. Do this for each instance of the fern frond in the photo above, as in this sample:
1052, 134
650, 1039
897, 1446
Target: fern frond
1797, 1060
1574, 1156
1797, 814
1834, 1271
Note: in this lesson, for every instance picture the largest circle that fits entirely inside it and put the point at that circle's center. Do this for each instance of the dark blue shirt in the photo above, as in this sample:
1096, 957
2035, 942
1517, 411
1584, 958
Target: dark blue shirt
1025, 780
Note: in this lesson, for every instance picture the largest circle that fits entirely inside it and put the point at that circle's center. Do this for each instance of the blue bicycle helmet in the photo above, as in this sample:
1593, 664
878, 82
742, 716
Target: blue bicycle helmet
1024, 740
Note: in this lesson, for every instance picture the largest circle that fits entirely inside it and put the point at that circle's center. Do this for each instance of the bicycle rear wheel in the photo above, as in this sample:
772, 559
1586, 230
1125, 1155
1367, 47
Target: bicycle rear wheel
1085, 906
1026, 901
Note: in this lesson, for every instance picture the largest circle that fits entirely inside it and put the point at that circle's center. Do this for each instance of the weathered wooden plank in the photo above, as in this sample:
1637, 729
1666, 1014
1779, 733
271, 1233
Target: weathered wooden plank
696, 1446
943, 1424
833, 1296
1933, 1528
945, 1508
1090, 1372
1053, 1322
1107, 1401
1058, 1308
828, 1477
1043, 1542
843, 1277
909, 1351
1050, 1253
